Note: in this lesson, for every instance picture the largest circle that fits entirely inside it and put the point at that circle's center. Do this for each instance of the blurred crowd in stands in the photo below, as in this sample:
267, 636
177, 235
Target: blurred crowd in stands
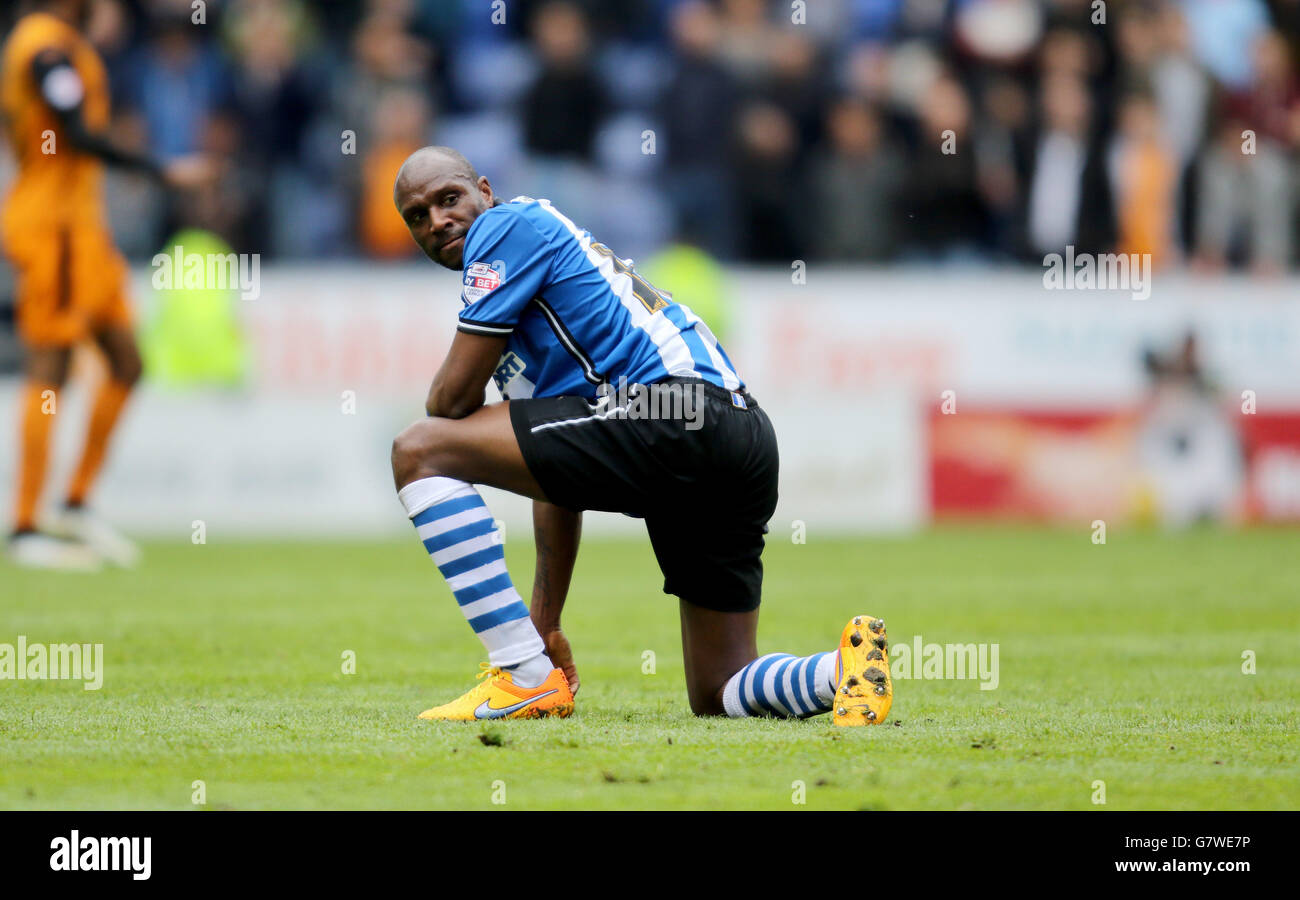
927, 131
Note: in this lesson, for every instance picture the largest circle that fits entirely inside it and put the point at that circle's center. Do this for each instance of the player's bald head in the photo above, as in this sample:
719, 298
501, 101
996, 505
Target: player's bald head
432, 164
439, 195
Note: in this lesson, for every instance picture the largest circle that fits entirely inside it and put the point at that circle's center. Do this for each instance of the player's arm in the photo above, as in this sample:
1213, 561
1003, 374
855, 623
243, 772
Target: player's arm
506, 264
493, 305
457, 389
556, 532
63, 92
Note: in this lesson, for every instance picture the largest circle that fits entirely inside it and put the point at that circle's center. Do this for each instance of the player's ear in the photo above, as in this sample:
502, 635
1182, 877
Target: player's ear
485, 188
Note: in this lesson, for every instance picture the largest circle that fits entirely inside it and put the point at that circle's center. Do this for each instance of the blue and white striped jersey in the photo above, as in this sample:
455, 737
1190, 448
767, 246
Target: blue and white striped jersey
577, 315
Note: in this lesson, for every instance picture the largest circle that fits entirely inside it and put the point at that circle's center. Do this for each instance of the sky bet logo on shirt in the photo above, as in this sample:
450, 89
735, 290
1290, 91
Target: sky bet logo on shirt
481, 279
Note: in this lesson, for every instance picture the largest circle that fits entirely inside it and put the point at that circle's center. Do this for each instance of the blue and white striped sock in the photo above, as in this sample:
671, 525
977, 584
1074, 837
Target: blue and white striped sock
456, 527
779, 684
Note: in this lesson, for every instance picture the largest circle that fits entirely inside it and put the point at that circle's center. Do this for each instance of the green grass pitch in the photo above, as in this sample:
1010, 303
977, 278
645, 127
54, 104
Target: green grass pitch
1119, 663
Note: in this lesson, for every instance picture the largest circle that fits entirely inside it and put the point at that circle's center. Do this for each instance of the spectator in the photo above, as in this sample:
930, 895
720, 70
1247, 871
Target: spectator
276, 95
566, 103
796, 84
748, 39
1003, 145
857, 183
1247, 209
178, 82
697, 109
746, 115
276, 98
768, 185
1182, 90
384, 55
949, 218
400, 127
1068, 191
1144, 179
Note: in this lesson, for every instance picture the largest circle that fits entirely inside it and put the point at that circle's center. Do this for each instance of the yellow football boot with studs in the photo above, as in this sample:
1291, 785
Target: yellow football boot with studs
864, 690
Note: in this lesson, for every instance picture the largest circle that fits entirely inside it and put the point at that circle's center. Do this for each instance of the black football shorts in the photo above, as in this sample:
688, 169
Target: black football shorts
700, 469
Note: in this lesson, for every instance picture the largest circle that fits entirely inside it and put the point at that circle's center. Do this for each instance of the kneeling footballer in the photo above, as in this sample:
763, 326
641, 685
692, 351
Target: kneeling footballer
556, 319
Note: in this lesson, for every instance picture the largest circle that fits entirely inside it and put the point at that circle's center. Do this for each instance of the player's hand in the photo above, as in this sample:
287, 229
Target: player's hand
557, 648
189, 172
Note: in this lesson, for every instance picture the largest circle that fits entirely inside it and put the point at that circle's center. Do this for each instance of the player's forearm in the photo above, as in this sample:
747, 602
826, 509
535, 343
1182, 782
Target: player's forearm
101, 147
62, 89
557, 532
450, 405
454, 393
457, 388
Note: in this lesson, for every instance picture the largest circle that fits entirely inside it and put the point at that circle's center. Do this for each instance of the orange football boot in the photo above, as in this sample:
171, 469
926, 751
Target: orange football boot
496, 696
863, 689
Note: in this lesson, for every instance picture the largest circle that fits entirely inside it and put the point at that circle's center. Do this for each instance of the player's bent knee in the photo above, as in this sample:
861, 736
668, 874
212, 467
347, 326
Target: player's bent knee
706, 699
127, 373
419, 451
711, 707
409, 451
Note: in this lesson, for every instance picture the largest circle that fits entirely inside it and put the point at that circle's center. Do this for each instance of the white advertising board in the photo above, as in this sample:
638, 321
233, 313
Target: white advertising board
846, 365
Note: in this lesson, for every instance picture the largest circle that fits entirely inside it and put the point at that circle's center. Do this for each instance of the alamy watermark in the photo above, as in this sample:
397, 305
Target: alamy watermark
179, 270
1098, 272
102, 854
57, 662
930, 661
671, 400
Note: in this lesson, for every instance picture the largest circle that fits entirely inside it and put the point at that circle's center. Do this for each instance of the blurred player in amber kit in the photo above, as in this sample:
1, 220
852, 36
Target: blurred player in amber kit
71, 279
